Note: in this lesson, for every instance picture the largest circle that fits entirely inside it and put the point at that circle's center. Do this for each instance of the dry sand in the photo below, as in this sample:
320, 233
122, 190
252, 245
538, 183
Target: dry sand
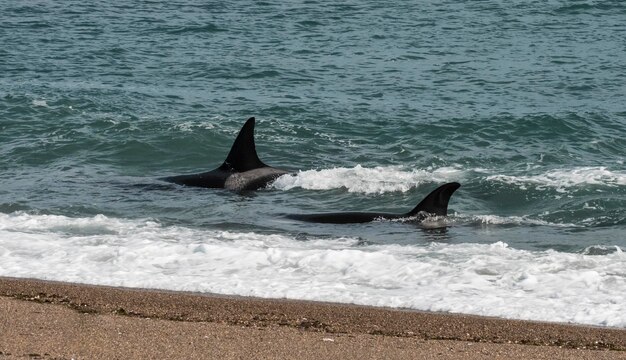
51, 320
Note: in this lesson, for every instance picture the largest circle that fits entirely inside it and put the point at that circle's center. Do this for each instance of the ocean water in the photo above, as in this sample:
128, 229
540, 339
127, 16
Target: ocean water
370, 105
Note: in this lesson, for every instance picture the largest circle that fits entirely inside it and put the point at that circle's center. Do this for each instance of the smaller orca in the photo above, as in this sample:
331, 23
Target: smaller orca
242, 169
436, 203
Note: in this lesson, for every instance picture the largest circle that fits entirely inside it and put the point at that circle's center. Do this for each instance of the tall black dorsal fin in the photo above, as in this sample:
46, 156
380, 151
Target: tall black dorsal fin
242, 156
436, 202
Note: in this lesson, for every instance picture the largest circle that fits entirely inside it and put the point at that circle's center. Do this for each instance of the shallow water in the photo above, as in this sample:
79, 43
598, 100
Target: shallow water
371, 106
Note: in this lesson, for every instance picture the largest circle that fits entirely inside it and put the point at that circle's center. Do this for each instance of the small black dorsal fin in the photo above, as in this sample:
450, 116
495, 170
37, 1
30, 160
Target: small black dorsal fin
436, 202
242, 156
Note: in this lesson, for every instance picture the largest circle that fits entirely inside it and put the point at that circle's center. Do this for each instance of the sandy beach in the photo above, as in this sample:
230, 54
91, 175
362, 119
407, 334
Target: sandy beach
52, 320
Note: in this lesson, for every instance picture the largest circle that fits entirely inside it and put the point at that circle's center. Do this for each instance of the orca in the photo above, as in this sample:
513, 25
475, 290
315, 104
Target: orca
242, 170
435, 204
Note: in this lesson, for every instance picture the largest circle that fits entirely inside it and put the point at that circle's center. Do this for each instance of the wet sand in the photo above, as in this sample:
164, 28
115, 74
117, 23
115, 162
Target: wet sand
52, 320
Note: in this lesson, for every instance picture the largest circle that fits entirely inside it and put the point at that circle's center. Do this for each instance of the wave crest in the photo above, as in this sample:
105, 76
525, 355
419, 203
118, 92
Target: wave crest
566, 178
359, 179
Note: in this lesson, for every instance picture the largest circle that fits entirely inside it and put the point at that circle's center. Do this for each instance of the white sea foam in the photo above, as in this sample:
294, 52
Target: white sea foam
384, 179
567, 178
41, 103
190, 126
366, 180
511, 220
492, 280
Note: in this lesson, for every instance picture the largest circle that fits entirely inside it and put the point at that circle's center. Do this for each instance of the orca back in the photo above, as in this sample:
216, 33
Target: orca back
242, 169
435, 203
341, 217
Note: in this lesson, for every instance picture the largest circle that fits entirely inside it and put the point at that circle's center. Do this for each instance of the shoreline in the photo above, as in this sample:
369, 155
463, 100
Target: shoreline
333, 325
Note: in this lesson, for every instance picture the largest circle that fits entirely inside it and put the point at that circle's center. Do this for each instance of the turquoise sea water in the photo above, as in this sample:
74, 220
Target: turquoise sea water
371, 104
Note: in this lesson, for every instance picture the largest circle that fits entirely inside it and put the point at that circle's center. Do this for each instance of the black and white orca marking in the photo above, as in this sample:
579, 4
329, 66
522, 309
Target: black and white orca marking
435, 204
242, 169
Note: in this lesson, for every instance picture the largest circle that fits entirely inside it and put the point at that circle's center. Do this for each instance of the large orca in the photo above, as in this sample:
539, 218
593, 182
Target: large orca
242, 169
436, 203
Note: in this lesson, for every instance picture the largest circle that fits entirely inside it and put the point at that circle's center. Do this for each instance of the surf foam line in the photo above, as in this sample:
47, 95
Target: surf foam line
490, 280
385, 179
566, 178
508, 220
379, 179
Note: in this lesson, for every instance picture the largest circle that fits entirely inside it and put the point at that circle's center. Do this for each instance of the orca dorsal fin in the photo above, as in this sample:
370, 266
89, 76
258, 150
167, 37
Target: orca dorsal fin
436, 202
242, 156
